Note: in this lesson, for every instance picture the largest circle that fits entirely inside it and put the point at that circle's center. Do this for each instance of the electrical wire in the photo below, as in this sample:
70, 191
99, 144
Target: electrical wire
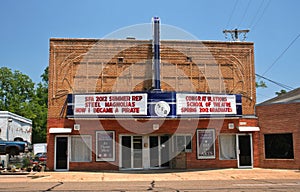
245, 12
231, 14
276, 83
261, 16
256, 14
262, 95
281, 54
254, 21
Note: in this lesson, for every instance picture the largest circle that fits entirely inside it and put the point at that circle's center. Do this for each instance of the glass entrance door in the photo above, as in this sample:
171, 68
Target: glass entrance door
244, 150
164, 153
144, 152
126, 152
137, 152
159, 151
61, 153
154, 151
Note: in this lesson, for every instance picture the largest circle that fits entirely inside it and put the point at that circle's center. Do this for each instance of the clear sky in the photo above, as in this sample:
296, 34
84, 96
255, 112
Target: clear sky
27, 25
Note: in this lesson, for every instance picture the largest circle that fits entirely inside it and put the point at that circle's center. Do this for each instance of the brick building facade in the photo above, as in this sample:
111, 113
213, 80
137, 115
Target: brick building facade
104, 114
279, 121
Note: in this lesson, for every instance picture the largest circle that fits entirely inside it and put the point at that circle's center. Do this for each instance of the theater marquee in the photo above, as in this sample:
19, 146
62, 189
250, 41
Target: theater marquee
153, 105
204, 104
111, 104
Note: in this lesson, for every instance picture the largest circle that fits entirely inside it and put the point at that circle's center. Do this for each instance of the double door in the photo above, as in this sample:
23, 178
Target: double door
144, 152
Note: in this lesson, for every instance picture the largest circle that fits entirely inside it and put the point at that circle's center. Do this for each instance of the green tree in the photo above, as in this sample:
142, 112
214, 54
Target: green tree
19, 95
261, 84
281, 92
16, 92
40, 105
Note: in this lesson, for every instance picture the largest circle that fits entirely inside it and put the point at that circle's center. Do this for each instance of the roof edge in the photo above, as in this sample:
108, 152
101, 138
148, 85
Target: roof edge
145, 40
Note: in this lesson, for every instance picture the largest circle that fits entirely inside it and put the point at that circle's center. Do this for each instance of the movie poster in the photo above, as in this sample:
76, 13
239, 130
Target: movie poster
206, 144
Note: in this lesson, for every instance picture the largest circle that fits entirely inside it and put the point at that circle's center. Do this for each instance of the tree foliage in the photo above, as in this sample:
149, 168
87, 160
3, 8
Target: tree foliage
281, 92
16, 91
261, 84
20, 95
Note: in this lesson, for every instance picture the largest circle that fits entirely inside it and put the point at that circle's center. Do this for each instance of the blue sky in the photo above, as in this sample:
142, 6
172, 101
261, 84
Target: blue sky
27, 26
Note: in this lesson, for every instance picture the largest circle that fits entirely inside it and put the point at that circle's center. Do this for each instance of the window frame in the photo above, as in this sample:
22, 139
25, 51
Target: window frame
279, 158
235, 146
213, 139
175, 147
89, 146
113, 146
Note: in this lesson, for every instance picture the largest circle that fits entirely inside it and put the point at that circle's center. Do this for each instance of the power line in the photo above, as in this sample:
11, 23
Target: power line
276, 83
281, 54
262, 95
264, 10
256, 14
245, 12
233, 10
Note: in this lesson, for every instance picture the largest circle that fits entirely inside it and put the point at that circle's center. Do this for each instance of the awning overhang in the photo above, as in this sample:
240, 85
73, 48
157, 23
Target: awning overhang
60, 130
248, 128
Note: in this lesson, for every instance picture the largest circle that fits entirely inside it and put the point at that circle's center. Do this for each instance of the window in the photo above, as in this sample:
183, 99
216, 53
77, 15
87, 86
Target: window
279, 146
120, 59
81, 148
183, 143
105, 147
189, 59
206, 144
227, 146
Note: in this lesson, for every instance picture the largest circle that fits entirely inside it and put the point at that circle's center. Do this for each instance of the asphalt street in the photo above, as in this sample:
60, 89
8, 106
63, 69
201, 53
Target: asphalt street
176, 186
169, 180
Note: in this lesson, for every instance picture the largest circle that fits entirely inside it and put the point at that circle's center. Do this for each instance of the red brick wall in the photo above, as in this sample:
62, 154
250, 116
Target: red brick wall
89, 127
279, 118
92, 65
193, 162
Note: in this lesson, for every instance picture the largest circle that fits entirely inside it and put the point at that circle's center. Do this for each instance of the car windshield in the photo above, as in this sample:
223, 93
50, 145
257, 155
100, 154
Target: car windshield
40, 154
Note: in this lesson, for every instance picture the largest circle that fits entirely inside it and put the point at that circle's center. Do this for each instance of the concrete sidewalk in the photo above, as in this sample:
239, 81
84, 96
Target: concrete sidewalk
166, 175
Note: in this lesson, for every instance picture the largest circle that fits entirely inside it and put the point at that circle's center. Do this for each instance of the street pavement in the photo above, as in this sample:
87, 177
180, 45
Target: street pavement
167, 175
256, 179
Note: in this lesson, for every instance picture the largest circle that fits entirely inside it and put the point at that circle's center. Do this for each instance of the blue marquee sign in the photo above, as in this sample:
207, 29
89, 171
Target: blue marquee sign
153, 105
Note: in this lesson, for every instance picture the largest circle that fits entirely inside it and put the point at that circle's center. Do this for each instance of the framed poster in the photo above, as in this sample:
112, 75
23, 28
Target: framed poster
206, 144
105, 146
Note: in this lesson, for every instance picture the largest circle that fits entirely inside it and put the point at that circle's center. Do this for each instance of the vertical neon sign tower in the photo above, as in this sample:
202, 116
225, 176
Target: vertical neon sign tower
156, 55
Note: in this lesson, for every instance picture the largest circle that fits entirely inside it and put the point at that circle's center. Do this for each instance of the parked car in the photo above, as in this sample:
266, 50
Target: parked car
40, 157
13, 147
39, 161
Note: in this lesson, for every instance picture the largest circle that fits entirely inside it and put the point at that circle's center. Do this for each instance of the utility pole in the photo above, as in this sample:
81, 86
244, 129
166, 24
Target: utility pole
235, 33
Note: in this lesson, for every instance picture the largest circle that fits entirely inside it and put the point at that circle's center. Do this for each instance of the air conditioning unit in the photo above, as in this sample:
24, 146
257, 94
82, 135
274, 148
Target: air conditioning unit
76, 127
